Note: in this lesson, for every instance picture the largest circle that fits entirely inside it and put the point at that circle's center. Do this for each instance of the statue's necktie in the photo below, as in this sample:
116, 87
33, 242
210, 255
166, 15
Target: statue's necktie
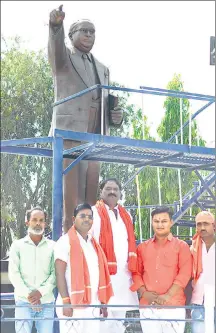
88, 69
90, 74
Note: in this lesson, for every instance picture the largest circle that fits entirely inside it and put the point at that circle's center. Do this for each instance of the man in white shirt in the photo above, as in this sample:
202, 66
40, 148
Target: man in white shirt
82, 275
203, 251
113, 229
32, 273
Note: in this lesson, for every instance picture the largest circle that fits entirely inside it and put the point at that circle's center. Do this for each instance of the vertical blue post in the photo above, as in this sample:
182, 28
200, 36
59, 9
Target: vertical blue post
57, 192
57, 200
175, 206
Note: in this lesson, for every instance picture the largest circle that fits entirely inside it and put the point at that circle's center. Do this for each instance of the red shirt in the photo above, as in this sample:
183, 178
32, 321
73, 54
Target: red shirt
161, 266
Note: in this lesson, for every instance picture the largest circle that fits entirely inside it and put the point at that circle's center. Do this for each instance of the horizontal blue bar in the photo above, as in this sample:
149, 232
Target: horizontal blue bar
181, 166
107, 319
206, 166
176, 91
76, 148
159, 160
27, 151
148, 206
176, 95
83, 92
26, 141
98, 138
79, 158
152, 91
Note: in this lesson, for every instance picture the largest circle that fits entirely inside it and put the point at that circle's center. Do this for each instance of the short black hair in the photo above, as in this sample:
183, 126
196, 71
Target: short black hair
82, 206
28, 212
162, 209
103, 183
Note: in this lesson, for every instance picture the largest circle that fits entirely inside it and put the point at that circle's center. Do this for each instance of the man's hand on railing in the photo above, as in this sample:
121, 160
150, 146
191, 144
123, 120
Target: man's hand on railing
104, 312
150, 297
162, 299
36, 309
34, 298
68, 312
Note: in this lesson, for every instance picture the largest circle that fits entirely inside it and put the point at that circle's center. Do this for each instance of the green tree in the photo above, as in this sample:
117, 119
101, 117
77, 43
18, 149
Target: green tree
148, 180
169, 125
26, 103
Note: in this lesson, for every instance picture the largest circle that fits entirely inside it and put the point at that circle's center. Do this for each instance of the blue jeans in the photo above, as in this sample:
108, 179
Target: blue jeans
42, 326
198, 327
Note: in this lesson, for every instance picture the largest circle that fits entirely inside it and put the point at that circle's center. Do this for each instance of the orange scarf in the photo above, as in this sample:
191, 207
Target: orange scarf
80, 281
106, 238
196, 250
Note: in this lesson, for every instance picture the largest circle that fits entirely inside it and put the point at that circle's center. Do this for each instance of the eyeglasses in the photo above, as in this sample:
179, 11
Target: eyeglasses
85, 31
83, 216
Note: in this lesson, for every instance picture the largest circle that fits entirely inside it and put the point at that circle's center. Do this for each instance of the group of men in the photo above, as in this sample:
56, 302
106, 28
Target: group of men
96, 263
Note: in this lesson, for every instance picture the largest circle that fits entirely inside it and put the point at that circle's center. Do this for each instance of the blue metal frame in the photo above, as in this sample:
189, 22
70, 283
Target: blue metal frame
210, 182
118, 150
81, 157
203, 184
57, 192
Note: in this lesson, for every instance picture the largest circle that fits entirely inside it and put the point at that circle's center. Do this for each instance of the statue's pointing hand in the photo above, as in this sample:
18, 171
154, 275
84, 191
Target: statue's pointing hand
57, 16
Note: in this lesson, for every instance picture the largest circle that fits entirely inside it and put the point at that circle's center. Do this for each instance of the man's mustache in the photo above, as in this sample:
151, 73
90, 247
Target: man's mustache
111, 195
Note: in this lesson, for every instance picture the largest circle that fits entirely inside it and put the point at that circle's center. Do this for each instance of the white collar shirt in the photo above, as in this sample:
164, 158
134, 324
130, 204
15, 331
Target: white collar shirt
207, 277
62, 252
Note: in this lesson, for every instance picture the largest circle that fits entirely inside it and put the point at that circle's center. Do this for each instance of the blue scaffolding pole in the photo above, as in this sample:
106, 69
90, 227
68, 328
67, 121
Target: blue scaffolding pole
96, 147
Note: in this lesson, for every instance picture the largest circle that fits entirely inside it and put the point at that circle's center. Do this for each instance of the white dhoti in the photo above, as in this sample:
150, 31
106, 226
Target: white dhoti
62, 252
121, 283
79, 326
122, 280
155, 326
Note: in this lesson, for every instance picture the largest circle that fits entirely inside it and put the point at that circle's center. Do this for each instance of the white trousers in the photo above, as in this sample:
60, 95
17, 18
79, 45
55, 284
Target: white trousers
79, 326
154, 326
113, 326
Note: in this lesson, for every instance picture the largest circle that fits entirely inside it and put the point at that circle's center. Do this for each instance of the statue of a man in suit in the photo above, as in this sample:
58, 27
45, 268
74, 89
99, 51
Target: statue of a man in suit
74, 70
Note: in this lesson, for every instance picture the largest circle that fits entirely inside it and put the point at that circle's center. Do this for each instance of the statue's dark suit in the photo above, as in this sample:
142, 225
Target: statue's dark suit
82, 114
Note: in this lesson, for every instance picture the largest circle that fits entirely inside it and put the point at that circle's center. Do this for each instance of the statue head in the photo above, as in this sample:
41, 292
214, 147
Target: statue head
82, 35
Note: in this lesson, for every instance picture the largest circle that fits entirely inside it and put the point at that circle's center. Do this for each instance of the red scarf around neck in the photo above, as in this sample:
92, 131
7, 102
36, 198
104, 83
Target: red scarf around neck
196, 250
80, 279
106, 238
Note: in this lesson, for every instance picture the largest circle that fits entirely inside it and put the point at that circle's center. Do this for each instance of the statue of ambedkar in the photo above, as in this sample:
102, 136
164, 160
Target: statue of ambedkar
74, 70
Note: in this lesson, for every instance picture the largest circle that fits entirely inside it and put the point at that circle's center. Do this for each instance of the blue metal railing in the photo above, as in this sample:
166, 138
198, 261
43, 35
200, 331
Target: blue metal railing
10, 297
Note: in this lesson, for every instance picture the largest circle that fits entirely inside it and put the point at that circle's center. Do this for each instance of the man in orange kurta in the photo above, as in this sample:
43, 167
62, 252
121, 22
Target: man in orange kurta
164, 269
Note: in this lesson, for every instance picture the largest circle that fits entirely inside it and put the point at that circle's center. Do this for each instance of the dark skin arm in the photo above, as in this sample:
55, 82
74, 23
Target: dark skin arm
150, 296
60, 269
162, 299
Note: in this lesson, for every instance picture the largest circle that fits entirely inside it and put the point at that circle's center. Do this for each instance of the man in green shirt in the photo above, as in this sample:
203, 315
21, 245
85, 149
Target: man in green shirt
32, 273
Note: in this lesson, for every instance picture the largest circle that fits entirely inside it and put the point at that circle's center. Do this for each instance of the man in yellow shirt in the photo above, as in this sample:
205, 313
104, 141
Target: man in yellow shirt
32, 273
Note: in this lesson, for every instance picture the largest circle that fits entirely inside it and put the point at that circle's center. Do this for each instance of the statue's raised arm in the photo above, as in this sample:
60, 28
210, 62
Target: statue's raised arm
57, 52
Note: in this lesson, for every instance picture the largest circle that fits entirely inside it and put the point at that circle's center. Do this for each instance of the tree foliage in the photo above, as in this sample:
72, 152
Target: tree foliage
26, 99
169, 185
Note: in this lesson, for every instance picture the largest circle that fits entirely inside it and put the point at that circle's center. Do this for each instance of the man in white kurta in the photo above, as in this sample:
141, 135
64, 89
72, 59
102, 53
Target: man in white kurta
62, 253
122, 280
204, 274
